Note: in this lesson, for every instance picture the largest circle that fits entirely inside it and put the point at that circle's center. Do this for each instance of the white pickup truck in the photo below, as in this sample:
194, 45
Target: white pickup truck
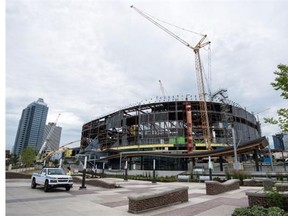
51, 178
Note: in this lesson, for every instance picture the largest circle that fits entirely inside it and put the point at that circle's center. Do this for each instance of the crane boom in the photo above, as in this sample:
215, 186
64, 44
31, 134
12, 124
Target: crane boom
199, 75
162, 27
57, 149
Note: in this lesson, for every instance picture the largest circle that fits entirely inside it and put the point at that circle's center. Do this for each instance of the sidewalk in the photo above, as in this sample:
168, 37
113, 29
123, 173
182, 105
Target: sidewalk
22, 200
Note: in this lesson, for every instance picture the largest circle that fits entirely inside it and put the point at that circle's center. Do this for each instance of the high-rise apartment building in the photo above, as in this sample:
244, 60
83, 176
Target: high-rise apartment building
54, 133
31, 127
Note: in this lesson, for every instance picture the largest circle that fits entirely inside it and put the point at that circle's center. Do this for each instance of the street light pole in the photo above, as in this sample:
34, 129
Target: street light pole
282, 147
126, 171
154, 174
236, 165
84, 174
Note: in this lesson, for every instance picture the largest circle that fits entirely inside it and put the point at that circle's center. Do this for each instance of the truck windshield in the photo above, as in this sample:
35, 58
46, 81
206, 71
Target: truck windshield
56, 172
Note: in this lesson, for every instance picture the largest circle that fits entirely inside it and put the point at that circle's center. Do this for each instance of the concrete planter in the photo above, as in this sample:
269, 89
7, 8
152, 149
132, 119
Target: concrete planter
261, 198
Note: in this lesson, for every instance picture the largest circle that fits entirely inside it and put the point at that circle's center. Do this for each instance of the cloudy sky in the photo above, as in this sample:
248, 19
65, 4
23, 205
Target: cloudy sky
87, 58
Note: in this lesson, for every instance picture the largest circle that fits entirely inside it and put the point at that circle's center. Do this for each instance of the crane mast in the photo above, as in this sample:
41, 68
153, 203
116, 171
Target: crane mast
162, 88
199, 75
44, 145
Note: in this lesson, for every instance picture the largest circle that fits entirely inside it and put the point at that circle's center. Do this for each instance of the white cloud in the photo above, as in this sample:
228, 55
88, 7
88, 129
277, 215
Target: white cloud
88, 58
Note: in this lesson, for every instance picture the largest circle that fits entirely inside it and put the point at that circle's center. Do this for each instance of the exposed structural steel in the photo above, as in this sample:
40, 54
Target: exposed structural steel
161, 126
246, 147
189, 126
199, 75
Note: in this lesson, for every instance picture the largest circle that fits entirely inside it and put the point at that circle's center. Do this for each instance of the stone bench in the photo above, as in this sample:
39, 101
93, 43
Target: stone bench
156, 199
204, 178
253, 182
281, 186
215, 187
95, 182
183, 178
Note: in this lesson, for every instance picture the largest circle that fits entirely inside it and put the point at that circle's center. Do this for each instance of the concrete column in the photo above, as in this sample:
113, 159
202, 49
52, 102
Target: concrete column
141, 163
256, 160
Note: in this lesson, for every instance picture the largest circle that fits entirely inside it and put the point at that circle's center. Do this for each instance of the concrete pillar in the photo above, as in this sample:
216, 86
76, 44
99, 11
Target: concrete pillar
255, 154
141, 163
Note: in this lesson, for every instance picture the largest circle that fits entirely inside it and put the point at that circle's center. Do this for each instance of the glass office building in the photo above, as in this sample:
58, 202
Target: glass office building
31, 127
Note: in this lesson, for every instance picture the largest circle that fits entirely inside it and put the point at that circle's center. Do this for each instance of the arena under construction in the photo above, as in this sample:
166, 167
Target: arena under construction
161, 128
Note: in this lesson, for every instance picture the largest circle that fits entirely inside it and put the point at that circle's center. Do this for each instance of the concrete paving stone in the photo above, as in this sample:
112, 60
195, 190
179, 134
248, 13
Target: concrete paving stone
197, 200
222, 210
192, 195
116, 204
22, 200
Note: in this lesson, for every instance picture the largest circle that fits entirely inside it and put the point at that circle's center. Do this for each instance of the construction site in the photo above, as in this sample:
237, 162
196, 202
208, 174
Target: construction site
176, 129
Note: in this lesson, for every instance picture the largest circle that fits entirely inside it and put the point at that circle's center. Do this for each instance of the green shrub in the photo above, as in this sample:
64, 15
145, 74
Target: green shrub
227, 175
275, 211
241, 212
240, 174
191, 177
275, 198
279, 177
259, 211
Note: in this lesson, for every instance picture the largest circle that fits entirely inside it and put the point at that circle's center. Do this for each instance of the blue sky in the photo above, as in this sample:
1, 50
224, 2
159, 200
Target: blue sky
87, 58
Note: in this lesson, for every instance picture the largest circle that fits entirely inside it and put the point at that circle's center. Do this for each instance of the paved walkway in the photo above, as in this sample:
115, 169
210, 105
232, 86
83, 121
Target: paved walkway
22, 200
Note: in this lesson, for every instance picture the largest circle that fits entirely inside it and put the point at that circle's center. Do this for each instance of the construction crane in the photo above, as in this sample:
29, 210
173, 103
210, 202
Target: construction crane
199, 75
162, 89
44, 145
49, 154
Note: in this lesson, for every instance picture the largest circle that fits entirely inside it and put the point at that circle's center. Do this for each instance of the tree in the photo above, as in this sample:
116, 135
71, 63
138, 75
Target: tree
281, 83
281, 80
13, 159
28, 156
55, 162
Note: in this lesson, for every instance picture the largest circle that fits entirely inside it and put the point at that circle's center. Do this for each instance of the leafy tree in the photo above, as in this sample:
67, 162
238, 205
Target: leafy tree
281, 83
13, 159
28, 156
55, 162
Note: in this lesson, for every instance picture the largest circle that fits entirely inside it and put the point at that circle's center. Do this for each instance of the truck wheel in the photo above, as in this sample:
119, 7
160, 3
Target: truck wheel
33, 183
67, 188
46, 186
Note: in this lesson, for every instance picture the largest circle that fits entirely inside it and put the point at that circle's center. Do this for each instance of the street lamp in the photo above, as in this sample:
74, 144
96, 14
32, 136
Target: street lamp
84, 174
282, 148
154, 174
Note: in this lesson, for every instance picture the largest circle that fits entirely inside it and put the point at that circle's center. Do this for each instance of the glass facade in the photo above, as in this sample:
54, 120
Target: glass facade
280, 141
31, 127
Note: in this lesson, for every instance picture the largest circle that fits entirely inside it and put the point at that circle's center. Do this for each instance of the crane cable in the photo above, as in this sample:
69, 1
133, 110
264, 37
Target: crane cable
181, 28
